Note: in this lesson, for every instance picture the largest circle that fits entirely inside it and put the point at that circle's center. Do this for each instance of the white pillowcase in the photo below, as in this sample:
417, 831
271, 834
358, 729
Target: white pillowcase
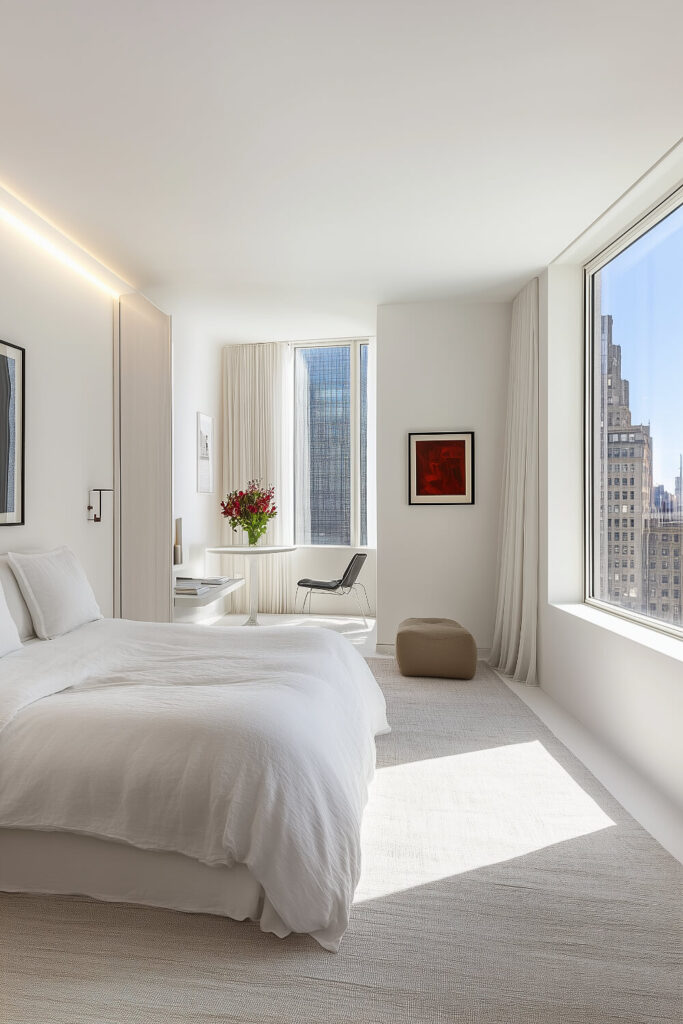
18, 608
9, 634
56, 590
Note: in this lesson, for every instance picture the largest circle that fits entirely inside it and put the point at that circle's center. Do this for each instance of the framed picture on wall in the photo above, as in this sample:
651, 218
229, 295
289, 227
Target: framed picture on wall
12, 397
204, 453
441, 468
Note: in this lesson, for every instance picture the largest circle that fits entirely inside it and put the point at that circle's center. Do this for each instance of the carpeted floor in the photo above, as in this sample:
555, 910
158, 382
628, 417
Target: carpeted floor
501, 884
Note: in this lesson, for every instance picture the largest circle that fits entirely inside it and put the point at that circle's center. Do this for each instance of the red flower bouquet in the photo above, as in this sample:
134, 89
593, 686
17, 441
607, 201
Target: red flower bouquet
252, 509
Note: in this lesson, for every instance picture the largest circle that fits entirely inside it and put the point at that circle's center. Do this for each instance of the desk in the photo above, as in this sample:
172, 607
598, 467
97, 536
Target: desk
212, 594
254, 554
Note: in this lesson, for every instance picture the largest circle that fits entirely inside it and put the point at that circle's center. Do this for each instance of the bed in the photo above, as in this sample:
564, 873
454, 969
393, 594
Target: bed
197, 768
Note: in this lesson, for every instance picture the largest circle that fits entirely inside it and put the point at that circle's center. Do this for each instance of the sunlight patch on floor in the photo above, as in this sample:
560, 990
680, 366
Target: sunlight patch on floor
431, 819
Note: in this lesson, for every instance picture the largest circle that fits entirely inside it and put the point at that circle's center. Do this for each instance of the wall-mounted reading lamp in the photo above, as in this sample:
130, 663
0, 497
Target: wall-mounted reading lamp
95, 503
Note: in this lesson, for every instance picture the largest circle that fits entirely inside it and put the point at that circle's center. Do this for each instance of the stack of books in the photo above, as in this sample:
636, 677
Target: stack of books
190, 587
195, 587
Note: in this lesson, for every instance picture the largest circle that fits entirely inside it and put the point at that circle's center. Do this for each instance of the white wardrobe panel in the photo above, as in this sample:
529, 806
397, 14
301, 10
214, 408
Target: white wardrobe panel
144, 461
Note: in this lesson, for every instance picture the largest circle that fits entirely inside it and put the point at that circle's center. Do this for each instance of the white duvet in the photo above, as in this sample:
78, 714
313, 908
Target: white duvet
251, 746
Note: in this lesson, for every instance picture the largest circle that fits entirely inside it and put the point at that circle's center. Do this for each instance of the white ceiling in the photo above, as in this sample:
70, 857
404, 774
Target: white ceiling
319, 153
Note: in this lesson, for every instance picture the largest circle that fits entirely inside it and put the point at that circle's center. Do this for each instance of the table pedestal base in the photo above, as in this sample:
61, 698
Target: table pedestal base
253, 593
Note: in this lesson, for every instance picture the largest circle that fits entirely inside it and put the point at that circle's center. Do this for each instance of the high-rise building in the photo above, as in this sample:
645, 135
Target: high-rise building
662, 542
663, 501
323, 507
642, 525
626, 484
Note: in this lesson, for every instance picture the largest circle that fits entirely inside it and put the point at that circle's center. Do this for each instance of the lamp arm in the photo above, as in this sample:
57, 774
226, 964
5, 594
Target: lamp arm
95, 516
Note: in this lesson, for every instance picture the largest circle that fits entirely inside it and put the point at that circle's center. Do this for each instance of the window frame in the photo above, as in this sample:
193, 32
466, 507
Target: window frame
599, 260
355, 460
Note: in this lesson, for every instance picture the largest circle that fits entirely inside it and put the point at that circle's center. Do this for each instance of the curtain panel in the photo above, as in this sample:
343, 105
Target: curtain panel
514, 640
257, 445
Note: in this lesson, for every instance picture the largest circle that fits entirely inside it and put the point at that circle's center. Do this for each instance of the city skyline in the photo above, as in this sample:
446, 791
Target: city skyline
639, 539
642, 290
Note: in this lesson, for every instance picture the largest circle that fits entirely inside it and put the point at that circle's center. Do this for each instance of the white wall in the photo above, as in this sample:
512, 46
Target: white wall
440, 366
197, 387
66, 326
621, 681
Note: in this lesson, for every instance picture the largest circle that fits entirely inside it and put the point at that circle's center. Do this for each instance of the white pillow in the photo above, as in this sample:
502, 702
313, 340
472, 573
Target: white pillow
56, 591
9, 634
18, 608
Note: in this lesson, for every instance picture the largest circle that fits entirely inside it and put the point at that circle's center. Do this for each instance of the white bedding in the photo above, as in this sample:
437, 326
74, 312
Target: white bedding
227, 745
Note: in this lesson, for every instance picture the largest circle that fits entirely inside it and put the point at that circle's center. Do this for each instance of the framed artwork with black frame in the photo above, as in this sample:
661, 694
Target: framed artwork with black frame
12, 398
441, 468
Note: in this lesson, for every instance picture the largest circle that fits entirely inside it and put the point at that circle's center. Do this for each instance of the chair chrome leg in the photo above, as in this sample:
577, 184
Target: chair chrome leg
367, 600
360, 607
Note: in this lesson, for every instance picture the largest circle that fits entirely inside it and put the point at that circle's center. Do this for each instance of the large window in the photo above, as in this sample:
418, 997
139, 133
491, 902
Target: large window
331, 443
635, 422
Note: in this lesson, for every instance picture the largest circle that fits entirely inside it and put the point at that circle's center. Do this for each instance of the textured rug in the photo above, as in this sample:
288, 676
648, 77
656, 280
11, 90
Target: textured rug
501, 884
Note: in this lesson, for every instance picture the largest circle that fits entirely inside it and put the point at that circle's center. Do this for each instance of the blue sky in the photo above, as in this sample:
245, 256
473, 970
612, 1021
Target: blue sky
643, 290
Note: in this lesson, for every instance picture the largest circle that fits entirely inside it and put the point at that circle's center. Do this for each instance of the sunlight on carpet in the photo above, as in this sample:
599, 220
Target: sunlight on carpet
502, 895
431, 819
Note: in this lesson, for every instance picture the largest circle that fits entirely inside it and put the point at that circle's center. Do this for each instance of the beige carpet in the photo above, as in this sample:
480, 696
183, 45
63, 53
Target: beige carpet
501, 884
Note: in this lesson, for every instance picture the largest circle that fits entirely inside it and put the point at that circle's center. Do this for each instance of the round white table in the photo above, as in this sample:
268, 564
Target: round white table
253, 553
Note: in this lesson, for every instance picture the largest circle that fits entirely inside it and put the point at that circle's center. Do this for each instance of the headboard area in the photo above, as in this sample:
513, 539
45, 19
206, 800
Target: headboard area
15, 601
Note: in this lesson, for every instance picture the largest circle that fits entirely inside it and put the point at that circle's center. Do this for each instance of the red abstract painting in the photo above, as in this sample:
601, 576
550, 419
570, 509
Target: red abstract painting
440, 468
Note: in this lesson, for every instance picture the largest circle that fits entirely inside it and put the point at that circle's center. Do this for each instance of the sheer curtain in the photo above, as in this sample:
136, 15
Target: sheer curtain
257, 444
302, 459
514, 640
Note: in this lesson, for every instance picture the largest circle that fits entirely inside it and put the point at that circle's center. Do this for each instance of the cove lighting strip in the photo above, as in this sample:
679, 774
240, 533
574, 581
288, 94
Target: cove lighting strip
53, 250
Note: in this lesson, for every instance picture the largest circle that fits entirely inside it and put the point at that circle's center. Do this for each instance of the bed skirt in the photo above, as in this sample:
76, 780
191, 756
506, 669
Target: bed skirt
62, 863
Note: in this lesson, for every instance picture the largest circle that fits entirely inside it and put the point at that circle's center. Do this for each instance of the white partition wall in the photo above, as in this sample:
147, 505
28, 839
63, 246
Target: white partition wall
143, 402
441, 366
65, 325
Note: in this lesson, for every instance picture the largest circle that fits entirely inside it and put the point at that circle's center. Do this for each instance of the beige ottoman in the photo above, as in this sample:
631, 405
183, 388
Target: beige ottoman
435, 647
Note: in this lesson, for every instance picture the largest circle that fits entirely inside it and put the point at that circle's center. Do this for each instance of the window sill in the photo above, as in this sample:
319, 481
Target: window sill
334, 547
662, 643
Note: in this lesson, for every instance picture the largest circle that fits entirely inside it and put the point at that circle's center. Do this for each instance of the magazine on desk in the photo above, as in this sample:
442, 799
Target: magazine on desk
196, 586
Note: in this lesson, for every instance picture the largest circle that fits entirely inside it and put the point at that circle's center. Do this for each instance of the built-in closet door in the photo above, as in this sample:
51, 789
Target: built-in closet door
143, 462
